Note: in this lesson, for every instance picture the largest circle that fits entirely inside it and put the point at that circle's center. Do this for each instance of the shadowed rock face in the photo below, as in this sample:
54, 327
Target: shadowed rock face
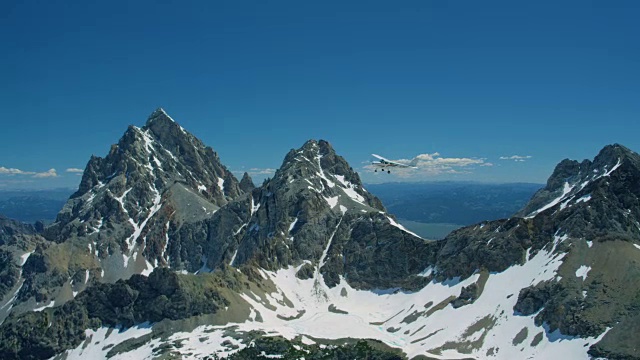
246, 184
314, 206
162, 295
16, 239
16, 233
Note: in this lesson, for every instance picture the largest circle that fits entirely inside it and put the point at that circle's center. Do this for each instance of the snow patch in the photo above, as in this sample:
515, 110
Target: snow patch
44, 307
233, 258
24, 257
100, 341
584, 198
583, 271
617, 165
426, 272
332, 201
221, 185
293, 224
566, 190
394, 223
254, 206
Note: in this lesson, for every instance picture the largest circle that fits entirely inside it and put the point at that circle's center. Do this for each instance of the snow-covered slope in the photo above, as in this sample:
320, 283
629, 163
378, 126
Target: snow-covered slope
419, 323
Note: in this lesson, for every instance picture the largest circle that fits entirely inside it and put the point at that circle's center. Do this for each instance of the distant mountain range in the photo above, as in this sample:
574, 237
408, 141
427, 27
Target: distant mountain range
163, 253
33, 205
462, 203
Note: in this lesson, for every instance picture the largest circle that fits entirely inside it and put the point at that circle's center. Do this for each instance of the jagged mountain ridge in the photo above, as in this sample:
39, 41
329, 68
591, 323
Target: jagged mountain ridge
162, 198
315, 210
310, 249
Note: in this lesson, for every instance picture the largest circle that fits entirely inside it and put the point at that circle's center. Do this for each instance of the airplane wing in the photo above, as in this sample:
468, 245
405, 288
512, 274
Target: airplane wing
385, 161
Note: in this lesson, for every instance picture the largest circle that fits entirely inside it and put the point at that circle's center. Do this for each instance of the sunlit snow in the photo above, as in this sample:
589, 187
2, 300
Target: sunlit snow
332, 201
394, 223
420, 327
566, 190
24, 257
583, 271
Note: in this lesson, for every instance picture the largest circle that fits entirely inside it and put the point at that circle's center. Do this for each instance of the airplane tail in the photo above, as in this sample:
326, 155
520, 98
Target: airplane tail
414, 162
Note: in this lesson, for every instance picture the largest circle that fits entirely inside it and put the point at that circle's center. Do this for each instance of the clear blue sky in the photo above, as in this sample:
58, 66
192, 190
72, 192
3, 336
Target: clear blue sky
470, 80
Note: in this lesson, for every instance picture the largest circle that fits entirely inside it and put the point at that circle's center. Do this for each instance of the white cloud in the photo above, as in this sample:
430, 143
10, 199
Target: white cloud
434, 164
259, 171
74, 170
46, 174
14, 171
516, 158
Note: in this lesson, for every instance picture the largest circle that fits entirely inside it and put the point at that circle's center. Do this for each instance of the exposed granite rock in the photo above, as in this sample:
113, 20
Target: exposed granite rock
246, 184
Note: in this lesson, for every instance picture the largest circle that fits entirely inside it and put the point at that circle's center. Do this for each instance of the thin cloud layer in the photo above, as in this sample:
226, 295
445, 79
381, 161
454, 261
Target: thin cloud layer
256, 172
259, 171
517, 158
14, 171
74, 170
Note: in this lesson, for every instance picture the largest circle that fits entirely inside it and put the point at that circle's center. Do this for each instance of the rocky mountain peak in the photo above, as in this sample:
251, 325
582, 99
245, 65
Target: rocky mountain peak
571, 177
317, 159
155, 176
246, 183
163, 129
159, 115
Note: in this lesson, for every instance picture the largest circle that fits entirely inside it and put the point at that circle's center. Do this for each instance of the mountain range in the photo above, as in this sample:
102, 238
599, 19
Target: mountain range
33, 205
453, 202
163, 253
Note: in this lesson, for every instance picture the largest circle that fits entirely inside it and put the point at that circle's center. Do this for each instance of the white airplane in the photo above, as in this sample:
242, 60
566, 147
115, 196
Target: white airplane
386, 163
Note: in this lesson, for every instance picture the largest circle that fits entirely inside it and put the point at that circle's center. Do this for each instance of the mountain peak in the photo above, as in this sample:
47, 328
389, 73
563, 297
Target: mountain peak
159, 114
246, 184
610, 155
321, 147
160, 124
320, 169
572, 179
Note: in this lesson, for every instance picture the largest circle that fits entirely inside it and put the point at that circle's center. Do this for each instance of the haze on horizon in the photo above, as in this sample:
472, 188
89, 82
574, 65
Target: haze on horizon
496, 91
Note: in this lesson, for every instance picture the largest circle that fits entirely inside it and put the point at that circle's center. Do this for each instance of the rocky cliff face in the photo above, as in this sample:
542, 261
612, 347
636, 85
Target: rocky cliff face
119, 222
313, 211
17, 242
316, 210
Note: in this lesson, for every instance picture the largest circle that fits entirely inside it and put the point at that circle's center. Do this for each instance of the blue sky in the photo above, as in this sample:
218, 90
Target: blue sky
469, 80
